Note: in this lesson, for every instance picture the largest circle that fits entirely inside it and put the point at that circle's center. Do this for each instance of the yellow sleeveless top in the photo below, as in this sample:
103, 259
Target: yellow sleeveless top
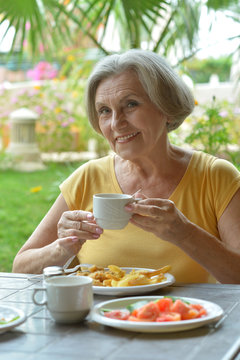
202, 195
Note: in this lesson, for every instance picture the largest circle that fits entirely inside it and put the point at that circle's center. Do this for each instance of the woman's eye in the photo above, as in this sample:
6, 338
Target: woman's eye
103, 111
132, 104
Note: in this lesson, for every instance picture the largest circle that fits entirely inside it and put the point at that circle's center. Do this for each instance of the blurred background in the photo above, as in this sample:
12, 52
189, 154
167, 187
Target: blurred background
47, 50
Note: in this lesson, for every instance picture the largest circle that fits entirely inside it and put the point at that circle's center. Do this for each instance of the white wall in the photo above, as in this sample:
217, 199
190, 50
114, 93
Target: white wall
222, 91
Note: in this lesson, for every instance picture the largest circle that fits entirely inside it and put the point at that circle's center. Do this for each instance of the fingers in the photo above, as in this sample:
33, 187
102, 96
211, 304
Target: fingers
80, 224
151, 207
161, 217
70, 241
84, 231
153, 215
70, 245
78, 215
147, 222
139, 196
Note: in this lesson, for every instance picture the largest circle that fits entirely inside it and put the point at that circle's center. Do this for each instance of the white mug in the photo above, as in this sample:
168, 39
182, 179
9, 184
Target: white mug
69, 299
109, 212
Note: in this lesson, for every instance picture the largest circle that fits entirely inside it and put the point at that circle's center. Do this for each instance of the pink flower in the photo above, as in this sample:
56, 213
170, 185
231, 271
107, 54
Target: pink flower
41, 48
223, 113
14, 100
52, 105
32, 92
22, 92
64, 124
236, 111
32, 75
28, 25
60, 117
38, 109
43, 70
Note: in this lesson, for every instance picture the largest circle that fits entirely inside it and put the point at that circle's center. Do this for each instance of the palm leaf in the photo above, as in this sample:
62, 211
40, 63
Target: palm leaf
62, 19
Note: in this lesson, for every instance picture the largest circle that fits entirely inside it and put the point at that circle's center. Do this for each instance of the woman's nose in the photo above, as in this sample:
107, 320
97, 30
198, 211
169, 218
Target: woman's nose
118, 120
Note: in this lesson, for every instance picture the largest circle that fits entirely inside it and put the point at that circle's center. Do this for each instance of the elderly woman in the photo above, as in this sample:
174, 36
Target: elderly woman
190, 209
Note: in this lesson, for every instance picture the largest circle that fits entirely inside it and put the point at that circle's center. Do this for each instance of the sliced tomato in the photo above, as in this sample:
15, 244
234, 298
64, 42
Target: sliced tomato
196, 306
201, 310
149, 311
164, 304
191, 314
134, 313
188, 312
180, 307
169, 316
117, 314
134, 318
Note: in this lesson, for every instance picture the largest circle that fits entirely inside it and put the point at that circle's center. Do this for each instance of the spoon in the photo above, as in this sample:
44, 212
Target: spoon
65, 272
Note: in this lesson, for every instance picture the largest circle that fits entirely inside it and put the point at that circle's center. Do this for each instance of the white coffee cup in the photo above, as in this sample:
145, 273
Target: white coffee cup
68, 298
109, 212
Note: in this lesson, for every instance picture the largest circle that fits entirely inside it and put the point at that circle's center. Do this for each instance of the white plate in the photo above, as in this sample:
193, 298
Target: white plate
133, 290
10, 313
214, 313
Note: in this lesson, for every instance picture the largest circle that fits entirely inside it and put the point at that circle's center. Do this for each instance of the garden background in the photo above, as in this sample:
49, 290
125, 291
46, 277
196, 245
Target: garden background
53, 47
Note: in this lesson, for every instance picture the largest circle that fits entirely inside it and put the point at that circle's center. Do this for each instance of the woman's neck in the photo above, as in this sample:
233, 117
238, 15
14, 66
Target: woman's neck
155, 176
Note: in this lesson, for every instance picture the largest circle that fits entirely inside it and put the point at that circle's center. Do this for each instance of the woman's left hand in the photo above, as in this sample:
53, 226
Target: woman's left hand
161, 217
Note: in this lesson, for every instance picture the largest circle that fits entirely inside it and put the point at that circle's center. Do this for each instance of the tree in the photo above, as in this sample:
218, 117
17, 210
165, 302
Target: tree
231, 9
167, 27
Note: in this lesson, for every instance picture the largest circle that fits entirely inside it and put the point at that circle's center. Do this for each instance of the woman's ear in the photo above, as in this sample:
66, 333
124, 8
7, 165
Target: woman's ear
167, 120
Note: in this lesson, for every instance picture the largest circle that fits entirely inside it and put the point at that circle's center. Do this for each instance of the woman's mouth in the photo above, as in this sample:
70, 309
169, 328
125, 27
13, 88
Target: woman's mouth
126, 137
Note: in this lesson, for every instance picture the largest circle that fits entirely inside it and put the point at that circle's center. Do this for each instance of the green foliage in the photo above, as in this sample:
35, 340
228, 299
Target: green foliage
43, 27
26, 198
222, 4
216, 131
211, 130
200, 71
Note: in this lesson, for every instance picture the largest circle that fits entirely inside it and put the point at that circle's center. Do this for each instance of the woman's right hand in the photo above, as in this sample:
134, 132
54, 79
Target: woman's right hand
79, 224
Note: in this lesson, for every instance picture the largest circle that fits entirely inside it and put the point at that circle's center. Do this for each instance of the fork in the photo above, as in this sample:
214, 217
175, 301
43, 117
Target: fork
72, 270
65, 270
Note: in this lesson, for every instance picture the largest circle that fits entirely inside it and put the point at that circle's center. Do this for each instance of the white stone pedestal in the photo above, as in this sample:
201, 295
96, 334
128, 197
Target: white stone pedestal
23, 147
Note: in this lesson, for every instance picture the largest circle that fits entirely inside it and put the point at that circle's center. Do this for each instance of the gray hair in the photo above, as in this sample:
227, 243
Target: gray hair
164, 87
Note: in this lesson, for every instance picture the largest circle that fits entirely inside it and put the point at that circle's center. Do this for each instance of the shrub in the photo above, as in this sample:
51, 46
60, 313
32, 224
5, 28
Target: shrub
216, 130
62, 124
200, 71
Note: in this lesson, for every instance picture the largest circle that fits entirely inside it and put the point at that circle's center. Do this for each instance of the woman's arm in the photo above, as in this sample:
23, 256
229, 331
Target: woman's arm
220, 257
59, 236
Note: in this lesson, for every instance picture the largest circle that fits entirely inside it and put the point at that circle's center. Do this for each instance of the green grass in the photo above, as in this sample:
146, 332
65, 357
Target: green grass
21, 210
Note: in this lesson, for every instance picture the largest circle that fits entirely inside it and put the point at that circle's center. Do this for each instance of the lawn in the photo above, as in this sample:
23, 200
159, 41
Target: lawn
21, 209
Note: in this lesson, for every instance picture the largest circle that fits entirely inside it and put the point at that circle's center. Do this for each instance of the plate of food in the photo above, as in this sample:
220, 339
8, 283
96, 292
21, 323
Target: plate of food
156, 313
10, 317
116, 281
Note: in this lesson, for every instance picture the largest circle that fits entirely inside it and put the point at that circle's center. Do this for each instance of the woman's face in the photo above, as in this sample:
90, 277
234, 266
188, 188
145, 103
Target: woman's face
131, 123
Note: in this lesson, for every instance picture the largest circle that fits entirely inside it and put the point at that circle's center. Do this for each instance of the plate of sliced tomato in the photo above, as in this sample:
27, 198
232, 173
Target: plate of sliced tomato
156, 313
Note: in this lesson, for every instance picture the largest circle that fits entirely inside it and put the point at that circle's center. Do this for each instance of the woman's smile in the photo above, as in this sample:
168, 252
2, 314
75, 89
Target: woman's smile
126, 138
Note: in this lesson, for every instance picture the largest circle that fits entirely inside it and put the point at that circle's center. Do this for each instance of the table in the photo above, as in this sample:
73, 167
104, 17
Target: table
40, 338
